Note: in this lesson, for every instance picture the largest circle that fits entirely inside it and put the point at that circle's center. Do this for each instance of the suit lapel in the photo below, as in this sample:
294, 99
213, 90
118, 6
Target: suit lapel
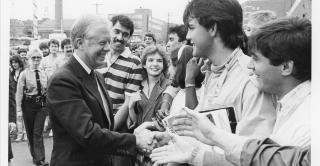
89, 83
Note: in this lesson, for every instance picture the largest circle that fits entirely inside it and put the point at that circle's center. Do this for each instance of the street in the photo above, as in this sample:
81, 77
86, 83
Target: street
21, 154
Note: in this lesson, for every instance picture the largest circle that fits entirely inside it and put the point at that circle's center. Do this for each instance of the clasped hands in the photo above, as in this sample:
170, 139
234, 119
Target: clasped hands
147, 140
167, 147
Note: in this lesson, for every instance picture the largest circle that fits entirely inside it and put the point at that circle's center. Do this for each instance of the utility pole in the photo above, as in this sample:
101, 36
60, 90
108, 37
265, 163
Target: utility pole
168, 28
97, 6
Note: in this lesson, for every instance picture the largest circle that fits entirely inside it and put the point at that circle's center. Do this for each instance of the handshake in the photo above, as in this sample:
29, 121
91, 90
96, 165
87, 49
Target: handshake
147, 140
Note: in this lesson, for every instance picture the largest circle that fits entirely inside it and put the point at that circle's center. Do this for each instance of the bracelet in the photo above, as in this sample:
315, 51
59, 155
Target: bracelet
190, 85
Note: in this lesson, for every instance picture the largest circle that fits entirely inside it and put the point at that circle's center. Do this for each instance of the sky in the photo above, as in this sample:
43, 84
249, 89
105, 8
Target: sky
23, 9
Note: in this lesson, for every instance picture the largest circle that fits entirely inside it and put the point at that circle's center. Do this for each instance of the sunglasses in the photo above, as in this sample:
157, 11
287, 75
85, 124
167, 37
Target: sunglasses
36, 57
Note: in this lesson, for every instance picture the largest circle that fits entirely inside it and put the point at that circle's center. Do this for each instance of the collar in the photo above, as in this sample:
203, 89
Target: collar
126, 53
228, 63
88, 70
295, 96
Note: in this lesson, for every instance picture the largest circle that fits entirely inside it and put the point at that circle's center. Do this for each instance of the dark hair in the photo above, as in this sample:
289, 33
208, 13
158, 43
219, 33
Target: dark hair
124, 21
180, 30
43, 45
18, 59
180, 75
53, 41
150, 35
22, 50
65, 42
226, 14
152, 49
287, 39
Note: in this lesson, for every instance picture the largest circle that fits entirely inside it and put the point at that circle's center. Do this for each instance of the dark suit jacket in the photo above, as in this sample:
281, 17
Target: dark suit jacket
12, 100
81, 132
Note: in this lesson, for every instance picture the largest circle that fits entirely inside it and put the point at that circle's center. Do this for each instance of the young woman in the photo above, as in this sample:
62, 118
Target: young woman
30, 103
144, 104
17, 67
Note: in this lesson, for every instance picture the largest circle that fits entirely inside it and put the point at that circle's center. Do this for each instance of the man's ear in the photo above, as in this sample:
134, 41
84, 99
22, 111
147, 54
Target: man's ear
79, 43
213, 30
287, 68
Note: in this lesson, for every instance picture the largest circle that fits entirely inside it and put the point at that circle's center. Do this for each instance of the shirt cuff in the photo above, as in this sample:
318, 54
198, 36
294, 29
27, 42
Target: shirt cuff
198, 158
172, 91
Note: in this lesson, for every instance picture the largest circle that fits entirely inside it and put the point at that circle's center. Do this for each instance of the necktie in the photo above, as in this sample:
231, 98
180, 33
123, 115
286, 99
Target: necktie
38, 82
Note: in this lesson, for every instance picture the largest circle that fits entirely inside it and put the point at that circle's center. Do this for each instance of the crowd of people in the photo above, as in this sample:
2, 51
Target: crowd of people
218, 93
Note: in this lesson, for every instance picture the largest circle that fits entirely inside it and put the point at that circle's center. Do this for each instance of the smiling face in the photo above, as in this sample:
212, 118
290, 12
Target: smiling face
120, 36
68, 50
266, 76
15, 65
200, 38
154, 65
96, 45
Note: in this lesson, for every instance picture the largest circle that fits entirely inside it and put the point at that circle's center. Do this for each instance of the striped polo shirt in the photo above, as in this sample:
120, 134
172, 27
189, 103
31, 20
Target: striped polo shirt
122, 76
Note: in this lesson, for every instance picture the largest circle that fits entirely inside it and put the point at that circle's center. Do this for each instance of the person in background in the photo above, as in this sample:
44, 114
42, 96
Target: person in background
139, 50
179, 101
31, 102
257, 19
144, 104
17, 67
12, 115
149, 39
43, 46
176, 48
67, 50
22, 52
51, 62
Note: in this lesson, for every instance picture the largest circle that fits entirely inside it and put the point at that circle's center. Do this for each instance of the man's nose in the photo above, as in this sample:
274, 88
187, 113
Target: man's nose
188, 35
120, 36
106, 47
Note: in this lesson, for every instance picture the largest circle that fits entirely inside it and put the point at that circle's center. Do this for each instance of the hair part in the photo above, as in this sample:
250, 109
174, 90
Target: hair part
283, 40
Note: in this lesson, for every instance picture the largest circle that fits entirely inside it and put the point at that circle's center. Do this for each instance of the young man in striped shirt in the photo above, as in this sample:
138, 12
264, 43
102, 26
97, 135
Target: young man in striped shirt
123, 72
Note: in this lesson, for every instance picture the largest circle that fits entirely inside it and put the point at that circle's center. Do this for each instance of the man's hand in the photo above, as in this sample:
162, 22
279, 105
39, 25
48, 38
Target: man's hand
162, 138
193, 124
144, 140
178, 152
12, 127
193, 69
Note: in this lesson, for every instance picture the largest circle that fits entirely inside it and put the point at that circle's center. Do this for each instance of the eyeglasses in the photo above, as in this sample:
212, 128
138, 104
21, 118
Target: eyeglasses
36, 57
